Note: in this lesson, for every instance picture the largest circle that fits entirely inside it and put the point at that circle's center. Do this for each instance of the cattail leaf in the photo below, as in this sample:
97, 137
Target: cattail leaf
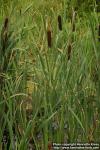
27, 8
99, 33
76, 117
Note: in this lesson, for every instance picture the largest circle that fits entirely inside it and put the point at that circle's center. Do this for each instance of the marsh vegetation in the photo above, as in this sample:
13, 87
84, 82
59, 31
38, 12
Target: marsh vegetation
49, 73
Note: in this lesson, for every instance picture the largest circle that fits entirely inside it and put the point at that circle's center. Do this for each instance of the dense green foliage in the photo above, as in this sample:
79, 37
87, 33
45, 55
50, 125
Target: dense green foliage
49, 75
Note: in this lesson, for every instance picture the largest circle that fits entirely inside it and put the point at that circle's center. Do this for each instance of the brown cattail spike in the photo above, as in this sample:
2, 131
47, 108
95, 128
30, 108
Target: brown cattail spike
4, 35
59, 22
99, 33
73, 28
49, 38
69, 51
6, 23
50, 146
49, 34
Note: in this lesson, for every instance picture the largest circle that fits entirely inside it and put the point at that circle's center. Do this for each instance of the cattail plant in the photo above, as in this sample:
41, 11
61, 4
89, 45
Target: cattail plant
49, 38
6, 23
59, 22
69, 51
4, 36
3, 63
20, 11
99, 33
73, 20
90, 136
50, 146
49, 34
3, 43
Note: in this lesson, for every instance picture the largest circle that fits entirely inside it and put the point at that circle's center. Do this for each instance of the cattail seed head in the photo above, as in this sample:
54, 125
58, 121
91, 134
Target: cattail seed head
69, 51
4, 34
59, 22
6, 23
73, 27
20, 11
49, 34
50, 146
49, 38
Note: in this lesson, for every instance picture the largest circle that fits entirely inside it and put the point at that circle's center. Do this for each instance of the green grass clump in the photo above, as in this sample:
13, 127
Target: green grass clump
49, 75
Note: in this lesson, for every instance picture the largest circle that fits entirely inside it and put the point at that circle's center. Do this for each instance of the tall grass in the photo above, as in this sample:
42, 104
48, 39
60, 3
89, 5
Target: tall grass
49, 76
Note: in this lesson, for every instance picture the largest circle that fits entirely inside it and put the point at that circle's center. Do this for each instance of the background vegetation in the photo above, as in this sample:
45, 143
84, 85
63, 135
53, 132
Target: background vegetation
49, 93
